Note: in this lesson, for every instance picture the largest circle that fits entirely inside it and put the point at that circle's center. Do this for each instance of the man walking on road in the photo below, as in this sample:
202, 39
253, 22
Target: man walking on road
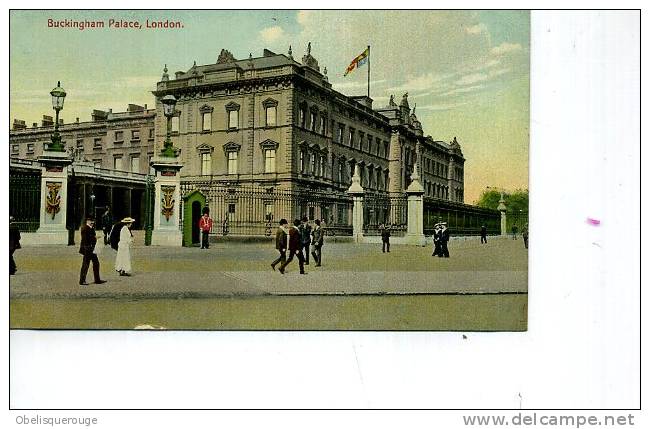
444, 239
317, 243
483, 234
281, 243
107, 225
205, 225
87, 249
14, 243
305, 238
384, 230
524, 234
294, 248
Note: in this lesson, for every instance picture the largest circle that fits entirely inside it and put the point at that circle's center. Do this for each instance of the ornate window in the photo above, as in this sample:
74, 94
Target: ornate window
176, 120
339, 133
206, 163
270, 112
313, 113
206, 117
231, 150
323, 124
269, 149
205, 156
135, 164
351, 137
302, 115
232, 109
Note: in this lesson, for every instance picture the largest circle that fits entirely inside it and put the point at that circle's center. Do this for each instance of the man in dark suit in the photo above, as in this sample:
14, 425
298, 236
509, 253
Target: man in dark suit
14, 243
281, 243
305, 238
295, 248
483, 234
87, 249
444, 239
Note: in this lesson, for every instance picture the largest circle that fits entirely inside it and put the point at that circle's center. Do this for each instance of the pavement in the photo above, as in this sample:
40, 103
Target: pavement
231, 269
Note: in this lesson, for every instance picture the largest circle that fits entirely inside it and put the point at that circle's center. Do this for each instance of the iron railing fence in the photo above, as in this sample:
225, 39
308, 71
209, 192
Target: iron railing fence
462, 219
390, 210
256, 210
24, 199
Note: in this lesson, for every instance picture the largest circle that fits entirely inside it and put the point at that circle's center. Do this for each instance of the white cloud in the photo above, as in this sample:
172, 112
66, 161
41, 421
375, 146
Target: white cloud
272, 34
476, 29
425, 82
471, 79
505, 48
463, 90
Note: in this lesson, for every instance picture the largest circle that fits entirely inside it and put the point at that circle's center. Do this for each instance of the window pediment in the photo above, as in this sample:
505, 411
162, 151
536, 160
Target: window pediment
232, 106
206, 109
231, 147
269, 144
269, 102
203, 148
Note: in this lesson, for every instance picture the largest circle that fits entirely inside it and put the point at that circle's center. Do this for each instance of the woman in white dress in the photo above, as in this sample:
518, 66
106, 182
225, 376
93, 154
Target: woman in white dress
123, 258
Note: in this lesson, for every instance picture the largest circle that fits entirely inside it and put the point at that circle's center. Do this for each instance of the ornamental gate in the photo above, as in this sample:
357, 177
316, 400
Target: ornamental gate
24, 199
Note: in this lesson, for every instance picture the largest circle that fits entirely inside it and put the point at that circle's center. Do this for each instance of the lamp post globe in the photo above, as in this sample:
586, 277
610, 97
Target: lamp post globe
58, 97
169, 107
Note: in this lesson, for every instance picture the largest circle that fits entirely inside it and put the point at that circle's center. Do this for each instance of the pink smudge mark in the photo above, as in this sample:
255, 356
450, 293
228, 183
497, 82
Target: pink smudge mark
594, 222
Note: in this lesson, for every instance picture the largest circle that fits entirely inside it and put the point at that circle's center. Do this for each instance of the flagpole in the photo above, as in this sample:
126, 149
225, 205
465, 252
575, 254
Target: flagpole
368, 71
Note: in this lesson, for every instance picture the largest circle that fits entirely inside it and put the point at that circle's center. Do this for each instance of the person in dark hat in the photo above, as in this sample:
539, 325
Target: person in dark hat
305, 238
294, 248
483, 234
107, 224
444, 239
14, 243
87, 249
281, 243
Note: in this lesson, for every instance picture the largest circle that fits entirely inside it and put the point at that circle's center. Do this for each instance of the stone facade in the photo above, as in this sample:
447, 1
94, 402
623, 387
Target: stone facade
116, 141
274, 121
269, 121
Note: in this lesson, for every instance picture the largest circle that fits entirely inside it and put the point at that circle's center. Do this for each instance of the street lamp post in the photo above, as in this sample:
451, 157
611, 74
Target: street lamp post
169, 105
58, 97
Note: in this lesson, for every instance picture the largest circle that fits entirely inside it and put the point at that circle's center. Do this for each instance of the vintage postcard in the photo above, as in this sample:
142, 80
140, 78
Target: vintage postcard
269, 170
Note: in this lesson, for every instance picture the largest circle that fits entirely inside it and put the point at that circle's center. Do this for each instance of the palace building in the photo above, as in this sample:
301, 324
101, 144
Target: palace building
274, 121
267, 121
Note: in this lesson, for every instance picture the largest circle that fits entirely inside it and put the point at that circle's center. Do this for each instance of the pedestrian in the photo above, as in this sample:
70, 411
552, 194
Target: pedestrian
89, 252
437, 235
14, 243
483, 234
524, 234
385, 238
281, 243
205, 225
123, 258
514, 231
107, 224
294, 248
444, 239
305, 238
317, 242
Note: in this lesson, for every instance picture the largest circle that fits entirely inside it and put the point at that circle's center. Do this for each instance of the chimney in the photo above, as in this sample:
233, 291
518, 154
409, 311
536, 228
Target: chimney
99, 115
133, 108
34, 124
60, 121
145, 106
47, 121
77, 121
179, 74
19, 124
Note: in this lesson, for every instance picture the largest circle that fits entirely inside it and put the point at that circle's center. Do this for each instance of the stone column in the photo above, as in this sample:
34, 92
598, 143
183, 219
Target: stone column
502, 209
356, 191
54, 197
166, 219
415, 227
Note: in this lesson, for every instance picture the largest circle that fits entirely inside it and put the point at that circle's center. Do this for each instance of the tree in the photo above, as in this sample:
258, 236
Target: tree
516, 201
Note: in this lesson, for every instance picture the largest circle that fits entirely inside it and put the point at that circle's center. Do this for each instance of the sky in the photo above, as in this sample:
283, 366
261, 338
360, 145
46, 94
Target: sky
467, 72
